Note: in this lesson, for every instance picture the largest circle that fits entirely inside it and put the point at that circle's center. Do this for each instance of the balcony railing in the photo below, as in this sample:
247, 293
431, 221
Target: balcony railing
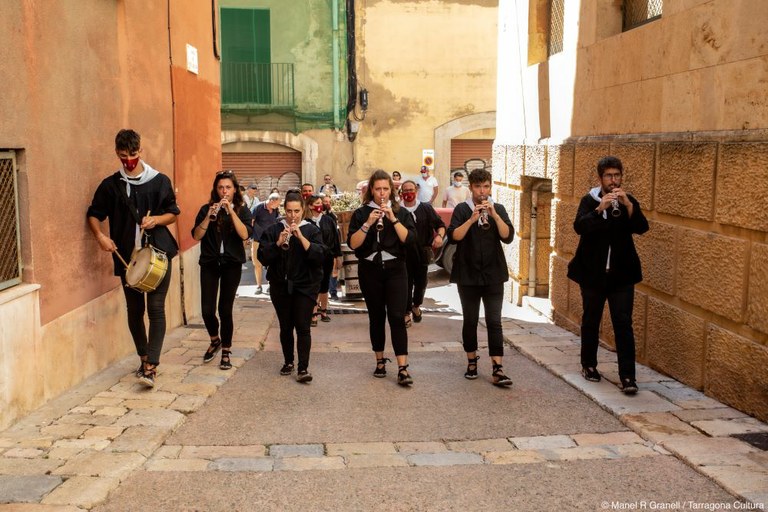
257, 86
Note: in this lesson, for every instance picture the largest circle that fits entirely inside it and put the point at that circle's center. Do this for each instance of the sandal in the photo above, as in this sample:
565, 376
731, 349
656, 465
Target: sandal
408, 321
499, 379
315, 316
471, 372
213, 349
324, 315
381, 367
403, 378
225, 363
416, 318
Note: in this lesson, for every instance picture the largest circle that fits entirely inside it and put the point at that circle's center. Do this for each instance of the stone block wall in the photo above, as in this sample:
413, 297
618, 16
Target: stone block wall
701, 312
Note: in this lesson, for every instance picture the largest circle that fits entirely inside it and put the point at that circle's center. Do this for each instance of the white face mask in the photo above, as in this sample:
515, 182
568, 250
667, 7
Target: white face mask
457, 184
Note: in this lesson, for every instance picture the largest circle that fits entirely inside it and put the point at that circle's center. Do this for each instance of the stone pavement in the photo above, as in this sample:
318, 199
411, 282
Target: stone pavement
250, 439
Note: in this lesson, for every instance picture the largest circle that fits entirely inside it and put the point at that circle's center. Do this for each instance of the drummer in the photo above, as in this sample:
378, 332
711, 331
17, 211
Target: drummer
139, 203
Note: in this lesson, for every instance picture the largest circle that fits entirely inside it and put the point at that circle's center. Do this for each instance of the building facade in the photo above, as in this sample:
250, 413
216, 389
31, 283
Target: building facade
676, 90
74, 74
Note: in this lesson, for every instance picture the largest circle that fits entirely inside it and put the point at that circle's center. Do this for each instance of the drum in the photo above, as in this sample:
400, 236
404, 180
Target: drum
147, 269
351, 280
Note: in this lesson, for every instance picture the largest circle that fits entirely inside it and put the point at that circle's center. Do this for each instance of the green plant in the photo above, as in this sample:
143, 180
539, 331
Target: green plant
346, 202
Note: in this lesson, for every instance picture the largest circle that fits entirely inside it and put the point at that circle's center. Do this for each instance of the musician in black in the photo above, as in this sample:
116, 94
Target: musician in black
430, 233
222, 225
330, 231
378, 233
293, 252
139, 203
478, 228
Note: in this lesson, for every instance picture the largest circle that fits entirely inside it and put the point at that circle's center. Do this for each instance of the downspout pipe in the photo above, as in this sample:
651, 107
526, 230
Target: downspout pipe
335, 64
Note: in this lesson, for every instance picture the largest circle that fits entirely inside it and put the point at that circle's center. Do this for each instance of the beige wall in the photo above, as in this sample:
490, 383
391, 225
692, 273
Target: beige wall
424, 64
73, 74
680, 100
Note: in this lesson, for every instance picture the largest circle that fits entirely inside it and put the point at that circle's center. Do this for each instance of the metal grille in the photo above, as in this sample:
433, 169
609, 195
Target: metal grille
640, 12
556, 23
10, 262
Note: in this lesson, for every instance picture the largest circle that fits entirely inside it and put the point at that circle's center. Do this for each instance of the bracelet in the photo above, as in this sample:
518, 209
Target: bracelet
397, 221
364, 228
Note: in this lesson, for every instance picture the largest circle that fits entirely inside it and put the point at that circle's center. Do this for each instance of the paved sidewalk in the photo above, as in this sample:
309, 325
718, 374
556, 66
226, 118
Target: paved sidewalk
250, 439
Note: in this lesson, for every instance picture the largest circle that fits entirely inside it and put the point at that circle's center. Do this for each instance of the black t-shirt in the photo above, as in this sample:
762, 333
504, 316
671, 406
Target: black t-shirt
156, 196
222, 231
479, 258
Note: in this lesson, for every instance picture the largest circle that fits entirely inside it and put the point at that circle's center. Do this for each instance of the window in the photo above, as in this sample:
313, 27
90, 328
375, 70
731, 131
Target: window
245, 56
10, 257
640, 12
556, 23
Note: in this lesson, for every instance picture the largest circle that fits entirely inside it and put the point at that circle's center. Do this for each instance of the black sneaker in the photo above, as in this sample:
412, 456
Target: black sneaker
140, 370
628, 386
287, 369
148, 376
303, 376
591, 374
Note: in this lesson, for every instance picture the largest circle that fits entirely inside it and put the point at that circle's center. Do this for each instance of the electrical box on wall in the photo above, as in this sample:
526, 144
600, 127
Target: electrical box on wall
192, 59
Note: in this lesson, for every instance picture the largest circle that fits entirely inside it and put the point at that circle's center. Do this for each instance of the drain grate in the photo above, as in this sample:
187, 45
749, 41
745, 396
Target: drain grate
757, 439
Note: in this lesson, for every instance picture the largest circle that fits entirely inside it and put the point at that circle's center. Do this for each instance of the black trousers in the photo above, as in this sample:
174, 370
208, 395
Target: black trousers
492, 296
621, 300
219, 279
294, 312
384, 288
149, 345
417, 280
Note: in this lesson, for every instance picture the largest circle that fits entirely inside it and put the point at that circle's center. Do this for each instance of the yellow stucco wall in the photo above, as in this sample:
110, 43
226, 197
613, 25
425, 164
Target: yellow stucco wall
424, 64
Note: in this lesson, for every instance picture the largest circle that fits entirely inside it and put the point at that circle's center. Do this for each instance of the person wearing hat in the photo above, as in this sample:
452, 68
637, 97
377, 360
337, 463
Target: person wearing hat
251, 197
427, 186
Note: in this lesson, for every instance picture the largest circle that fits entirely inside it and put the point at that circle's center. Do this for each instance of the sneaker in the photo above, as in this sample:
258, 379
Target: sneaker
148, 377
287, 369
591, 374
334, 296
140, 370
259, 290
628, 386
303, 376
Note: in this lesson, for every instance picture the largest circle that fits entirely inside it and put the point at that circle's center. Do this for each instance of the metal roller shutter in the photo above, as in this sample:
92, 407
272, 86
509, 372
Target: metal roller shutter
267, 170
466, 149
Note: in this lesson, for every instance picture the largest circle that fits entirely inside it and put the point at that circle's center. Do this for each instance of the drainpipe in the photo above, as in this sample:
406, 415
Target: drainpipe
336, 99
532, 250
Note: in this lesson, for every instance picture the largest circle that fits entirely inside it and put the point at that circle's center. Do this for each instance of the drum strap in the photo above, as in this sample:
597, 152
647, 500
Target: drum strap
127, 201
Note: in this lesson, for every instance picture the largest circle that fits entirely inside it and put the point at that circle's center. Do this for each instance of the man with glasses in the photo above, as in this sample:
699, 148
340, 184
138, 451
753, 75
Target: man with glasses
606, 267
328, 187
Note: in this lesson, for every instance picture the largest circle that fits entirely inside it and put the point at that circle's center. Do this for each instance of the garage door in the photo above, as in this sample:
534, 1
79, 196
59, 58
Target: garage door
467, 149
267, 170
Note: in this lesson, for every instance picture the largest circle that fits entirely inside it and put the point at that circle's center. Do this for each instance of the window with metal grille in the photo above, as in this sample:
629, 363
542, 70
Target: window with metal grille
10, 256
556, 23
640, 12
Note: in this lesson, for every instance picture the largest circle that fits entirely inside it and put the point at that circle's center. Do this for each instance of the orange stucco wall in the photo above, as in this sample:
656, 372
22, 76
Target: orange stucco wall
73, 75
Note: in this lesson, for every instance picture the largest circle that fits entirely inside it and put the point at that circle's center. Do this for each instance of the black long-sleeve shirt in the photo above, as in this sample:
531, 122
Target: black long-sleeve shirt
479, 258
600, 234
384, 240
222, 232
295, 270
330, 233
156, 196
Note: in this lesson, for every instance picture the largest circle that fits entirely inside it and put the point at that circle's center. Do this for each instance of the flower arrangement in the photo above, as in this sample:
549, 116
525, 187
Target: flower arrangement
345, 202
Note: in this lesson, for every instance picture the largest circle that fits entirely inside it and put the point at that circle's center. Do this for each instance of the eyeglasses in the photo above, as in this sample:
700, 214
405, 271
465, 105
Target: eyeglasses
225, 173
327, 179
612, 175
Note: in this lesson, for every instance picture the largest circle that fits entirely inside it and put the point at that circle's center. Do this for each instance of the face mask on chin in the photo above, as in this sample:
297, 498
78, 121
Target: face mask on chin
129, 164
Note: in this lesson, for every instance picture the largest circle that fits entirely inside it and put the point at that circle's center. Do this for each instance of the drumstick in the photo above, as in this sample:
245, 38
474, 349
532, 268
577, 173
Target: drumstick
141, 234
121, 259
